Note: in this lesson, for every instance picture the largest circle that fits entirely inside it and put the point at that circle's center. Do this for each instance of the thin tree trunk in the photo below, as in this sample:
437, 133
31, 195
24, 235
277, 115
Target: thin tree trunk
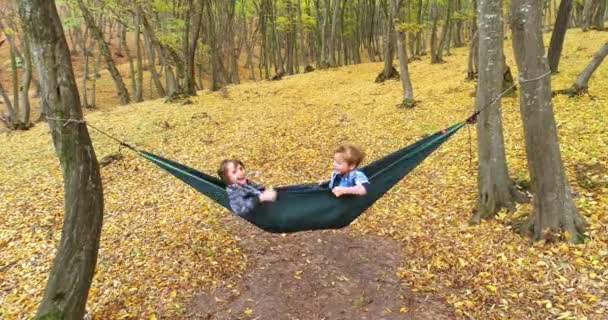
127, 52
495, 188
559, 33
15, 81
85, 73
332, 35
438, 55
121, 89
553, 207
95, 76
190, 83
154, 75
587, 14
139, 79
434, 46
24, 89
7, 119
216, 80
473, 61
408, 91
580, 86
73, 268
389, 71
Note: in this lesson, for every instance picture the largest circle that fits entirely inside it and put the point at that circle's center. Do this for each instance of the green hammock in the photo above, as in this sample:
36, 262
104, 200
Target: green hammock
309, 206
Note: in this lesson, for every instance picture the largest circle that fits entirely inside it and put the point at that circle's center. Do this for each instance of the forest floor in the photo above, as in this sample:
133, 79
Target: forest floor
168, 252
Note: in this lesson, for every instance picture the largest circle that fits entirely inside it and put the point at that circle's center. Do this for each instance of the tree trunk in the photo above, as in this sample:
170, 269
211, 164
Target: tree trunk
139, 79
127, 52
559, 33
473, 61
94, 82
154, 75
121, 89
7, 119
70, 278
190, 83
332, 35
389, 71
495, 188
85, 73
434, 45
580, 86
437, 56
15, 81
408, 91
216, 78
24, 89
553, 206
587, 14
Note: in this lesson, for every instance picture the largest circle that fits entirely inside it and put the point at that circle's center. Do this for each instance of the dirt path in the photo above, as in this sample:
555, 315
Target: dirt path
316, 275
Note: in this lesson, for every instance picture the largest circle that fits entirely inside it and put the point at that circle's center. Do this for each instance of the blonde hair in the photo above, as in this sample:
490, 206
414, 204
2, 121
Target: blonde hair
224, 167
352, 155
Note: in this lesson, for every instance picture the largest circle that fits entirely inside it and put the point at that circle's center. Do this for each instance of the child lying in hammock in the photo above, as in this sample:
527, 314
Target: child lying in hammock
347, 178
243, 194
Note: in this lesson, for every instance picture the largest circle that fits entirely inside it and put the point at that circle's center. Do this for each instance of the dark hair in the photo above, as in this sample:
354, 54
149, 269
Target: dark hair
352, 154
224, 167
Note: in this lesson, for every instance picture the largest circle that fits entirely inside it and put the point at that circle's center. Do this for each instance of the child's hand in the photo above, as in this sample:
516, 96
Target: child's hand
338, 191
268, 195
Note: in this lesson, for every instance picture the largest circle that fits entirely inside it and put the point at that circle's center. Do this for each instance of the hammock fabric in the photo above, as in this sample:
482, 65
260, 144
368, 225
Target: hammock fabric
309, 206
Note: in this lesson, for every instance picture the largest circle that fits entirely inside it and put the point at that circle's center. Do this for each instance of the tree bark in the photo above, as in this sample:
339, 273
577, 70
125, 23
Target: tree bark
15, 82
191, 38
408, 91
553, 206
68, 285
495, 187
216, 77
580, 86
24, 88
121, 89
587, 14
154, 75
85, 74
332, 35
473, 60
559, 33
139, 79
127, 52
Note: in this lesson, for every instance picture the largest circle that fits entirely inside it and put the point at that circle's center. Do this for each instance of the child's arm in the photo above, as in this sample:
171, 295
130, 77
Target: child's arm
241, 201
358, 190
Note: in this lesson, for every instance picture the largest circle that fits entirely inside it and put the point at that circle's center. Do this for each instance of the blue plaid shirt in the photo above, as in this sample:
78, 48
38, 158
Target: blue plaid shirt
244, 197
353, 178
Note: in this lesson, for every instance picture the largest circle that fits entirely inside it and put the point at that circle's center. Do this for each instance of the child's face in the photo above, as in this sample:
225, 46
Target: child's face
340, 164
235, 173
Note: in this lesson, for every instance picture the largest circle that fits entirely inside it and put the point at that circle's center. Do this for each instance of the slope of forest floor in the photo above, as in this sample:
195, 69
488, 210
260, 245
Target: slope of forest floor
165, 248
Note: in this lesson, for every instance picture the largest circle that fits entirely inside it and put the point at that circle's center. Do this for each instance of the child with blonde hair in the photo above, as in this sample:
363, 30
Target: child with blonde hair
347, 177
